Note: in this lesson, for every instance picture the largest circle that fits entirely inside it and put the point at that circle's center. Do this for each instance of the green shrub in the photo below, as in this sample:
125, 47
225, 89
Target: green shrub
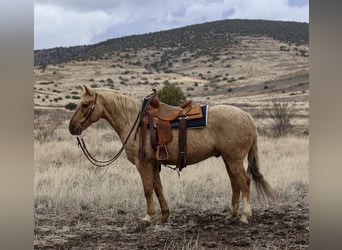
71, 106
171, 95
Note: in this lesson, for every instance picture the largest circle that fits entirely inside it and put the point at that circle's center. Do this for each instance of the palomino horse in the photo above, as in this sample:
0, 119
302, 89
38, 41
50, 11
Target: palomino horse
230, 133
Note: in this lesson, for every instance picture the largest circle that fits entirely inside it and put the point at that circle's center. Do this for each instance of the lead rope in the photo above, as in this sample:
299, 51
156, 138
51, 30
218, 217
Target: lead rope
99, 163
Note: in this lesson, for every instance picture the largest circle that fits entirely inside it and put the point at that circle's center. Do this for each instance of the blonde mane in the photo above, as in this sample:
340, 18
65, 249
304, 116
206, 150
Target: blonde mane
118, 101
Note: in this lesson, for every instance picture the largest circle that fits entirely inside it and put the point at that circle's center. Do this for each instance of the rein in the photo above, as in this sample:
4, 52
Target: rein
99, 163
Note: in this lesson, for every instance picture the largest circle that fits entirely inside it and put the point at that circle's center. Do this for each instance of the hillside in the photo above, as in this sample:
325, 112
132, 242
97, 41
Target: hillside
200, 39
245, 70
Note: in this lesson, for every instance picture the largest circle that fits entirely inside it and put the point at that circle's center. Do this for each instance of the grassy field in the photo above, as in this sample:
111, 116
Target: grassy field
65, 180
79, 206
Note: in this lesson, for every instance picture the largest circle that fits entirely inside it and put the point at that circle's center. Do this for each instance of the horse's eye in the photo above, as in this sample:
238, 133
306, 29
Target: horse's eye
84, 105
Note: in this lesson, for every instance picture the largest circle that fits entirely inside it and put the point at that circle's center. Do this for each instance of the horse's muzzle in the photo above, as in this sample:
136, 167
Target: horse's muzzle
75, 130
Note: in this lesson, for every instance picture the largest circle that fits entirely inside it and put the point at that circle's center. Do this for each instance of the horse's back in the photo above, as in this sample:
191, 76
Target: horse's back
229, 129
231, 119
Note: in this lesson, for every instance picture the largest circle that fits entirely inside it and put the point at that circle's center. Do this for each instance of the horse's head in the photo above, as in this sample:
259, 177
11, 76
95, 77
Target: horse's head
88, 111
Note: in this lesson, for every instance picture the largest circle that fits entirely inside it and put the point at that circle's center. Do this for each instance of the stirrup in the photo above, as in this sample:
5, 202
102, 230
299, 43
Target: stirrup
161, 153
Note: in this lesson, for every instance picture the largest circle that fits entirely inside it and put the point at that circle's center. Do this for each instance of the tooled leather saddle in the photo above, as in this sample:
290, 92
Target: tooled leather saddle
158, 117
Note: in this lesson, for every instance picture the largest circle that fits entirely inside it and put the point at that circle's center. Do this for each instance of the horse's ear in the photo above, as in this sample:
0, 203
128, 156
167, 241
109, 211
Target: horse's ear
88, 90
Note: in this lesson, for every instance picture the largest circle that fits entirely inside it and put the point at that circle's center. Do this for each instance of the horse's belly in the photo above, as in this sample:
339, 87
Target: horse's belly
199, 146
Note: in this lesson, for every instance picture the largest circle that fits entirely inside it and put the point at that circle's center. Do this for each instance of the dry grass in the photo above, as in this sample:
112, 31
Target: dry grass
65, 181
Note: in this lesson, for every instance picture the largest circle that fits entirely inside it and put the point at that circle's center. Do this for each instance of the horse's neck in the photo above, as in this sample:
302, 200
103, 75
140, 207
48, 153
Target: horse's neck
120, 112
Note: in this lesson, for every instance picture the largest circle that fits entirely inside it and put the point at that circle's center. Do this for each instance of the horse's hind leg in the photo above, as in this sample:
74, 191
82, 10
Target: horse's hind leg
233, 210
158, 189
240, 183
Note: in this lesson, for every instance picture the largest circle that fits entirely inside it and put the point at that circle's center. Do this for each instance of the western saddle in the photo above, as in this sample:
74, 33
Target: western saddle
157, 116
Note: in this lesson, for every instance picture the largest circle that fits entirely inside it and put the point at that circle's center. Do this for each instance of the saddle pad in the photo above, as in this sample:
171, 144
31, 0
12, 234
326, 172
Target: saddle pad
195, 123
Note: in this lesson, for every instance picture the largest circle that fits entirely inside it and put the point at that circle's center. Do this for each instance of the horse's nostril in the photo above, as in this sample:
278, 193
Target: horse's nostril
72, 129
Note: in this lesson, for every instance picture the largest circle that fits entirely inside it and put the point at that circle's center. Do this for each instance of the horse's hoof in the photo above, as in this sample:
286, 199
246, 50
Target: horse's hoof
232, 215
244, 219
165, 217
229, 217
147, 218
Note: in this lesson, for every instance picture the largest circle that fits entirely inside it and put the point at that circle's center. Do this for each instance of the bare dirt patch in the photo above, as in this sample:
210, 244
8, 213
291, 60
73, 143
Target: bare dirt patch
283, 226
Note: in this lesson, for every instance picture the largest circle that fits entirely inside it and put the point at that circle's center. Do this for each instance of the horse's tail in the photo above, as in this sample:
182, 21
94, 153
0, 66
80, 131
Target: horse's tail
262, 187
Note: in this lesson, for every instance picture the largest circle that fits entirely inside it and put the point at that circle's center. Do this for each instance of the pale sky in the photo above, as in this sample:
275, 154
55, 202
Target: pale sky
80, 22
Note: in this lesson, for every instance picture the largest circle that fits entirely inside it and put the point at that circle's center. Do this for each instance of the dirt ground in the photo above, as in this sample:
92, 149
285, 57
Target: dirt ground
282, 226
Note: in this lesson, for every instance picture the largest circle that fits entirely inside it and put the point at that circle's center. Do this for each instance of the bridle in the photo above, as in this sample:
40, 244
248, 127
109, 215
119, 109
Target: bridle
81, 143
93, 107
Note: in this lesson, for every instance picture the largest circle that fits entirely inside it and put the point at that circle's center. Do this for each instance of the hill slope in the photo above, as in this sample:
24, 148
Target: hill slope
202, 39
247, 69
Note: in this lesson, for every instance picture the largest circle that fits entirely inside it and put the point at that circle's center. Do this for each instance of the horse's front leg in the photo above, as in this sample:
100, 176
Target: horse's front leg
146, 174
158, 189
